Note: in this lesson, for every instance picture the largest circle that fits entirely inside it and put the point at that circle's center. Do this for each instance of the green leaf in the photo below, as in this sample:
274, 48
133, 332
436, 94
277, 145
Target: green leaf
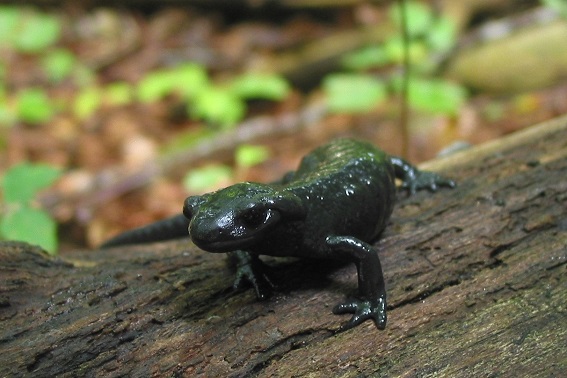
190, 79
418, 15
368, 57
260, 86
437, 96
22, 182
394, 49
558, 5
36, 32
10, 17
218, 106
352, 93
34, 106
7, 116
248, 155
87, 102
434, 95
205, 178
30, 225
118, 93
442, 35
155, 86
58, 64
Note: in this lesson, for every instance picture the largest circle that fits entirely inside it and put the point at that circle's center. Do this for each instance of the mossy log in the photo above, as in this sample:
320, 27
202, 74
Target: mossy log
476, 280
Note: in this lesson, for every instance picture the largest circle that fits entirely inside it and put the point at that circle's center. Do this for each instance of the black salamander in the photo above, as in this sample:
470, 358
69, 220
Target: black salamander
337, 202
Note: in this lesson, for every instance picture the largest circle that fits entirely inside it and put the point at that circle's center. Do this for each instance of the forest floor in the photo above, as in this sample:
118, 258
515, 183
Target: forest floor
115, 49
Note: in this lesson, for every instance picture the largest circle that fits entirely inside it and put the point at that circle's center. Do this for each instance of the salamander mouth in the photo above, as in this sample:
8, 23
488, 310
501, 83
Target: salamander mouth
223, 246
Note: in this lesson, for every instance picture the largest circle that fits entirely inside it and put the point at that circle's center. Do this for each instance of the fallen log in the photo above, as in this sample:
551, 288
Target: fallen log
476, 280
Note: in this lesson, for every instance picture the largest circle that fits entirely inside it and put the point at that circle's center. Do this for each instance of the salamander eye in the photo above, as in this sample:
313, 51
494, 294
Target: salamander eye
253, 217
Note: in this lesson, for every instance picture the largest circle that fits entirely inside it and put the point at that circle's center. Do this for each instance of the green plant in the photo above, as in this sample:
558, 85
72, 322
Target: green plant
419, 17
21, 218
351, 93
442, 35
190, 79
204, 178
186, 80
224, 105
9, 20
366, 58
559, 5
220, 105
58, 64
248, 155
87, 101
90, 98
434, 95
27, 30
428, 35
34, 106
260, 86
215, 175
118, 93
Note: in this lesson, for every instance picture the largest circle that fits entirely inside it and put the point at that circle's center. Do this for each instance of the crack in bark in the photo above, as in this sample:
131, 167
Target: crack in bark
425, 294
283, 346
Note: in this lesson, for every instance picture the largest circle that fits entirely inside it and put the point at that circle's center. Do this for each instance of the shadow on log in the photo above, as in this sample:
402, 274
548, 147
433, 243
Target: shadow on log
476, 280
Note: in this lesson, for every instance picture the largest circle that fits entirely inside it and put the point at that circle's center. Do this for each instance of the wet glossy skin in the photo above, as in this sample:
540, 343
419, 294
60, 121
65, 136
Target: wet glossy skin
337, 202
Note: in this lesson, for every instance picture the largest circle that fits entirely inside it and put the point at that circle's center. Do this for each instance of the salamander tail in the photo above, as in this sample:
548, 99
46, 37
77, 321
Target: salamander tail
167, 229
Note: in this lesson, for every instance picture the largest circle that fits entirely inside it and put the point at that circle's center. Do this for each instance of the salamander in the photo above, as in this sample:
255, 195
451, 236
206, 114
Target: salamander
333, 206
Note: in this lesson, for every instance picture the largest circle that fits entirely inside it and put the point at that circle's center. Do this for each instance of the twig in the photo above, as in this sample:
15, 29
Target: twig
114, 182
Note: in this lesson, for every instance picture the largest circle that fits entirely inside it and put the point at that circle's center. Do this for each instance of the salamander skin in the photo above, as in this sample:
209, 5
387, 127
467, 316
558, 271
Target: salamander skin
337, 202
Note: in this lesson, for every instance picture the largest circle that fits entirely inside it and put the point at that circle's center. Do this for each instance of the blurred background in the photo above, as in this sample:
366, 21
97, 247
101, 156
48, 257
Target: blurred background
111, 113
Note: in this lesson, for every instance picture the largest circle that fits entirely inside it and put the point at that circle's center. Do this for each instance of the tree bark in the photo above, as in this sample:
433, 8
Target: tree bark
476, 280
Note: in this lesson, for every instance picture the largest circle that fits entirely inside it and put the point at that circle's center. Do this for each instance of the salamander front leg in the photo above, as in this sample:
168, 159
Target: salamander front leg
250, 270
371, 303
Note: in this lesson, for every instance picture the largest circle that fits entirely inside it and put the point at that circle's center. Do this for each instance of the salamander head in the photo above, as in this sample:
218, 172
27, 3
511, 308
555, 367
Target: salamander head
239, 216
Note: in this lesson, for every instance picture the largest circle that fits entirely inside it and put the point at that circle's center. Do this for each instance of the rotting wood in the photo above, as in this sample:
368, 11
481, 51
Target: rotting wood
476, 280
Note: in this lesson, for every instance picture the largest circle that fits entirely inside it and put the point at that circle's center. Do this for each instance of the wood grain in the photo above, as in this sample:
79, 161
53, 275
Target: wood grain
476, 280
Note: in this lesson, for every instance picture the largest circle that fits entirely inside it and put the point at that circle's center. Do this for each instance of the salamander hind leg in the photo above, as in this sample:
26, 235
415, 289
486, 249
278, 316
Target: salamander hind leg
371, 303
414, 179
